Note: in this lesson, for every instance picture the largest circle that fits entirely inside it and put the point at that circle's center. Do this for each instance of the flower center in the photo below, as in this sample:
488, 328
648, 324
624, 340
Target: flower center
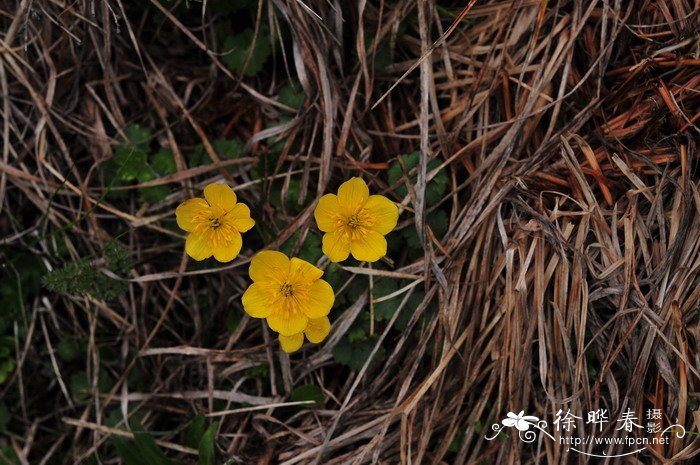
354, 221
286, 289
214, 223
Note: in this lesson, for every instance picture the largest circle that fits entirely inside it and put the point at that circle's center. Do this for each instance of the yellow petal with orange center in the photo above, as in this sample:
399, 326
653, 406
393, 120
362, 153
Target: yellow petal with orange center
197, 246
320, 299
327, 212
228, 248
353, 194
188, 212
257, 301
336, 246
220, 195
286, 323
317, 329
303, 271
383, 212
269, 265
239, 217
291, 343
369, 247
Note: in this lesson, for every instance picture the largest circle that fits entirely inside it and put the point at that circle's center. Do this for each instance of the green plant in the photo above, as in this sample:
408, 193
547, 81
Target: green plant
7, 361
308, 393
134, 161
82, 276
291, 94
355, 349
435, 188
226, 149
145, 452
310, 250
239, 47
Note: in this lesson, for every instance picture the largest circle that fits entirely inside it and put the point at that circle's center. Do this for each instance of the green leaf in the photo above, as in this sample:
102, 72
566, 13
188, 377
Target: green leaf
198, 157
291, 197
148, 449
311, 248
82, 277
291, 95
163, 162
287, 246
457, 440
355, 354
433, 191
395, 171
117, 258
132, 164
228, 148
438, 222
308, 392
9, 452
81, 386
137, 137
233, 319
127, 452
196, 430
154, 194
437, 186
224, 148
357, 335
383, 311
258, 371
237, 48
382, 56
69, 349
411, 307
207, 454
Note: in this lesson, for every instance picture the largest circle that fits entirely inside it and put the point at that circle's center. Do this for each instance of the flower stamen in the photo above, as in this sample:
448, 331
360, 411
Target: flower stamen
354, 221
286, 290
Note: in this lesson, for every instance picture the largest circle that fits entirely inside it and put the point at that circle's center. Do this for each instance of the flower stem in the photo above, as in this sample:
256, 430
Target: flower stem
371, 303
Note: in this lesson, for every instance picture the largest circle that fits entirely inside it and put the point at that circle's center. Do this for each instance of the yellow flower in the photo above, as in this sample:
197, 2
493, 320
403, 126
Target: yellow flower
316, 331
355, 222
289, 294
215, 223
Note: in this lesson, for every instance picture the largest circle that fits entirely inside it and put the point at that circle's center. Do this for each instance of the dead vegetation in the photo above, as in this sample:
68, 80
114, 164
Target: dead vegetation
566, 277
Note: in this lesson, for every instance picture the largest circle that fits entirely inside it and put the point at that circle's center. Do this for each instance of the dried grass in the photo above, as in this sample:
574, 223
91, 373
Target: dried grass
568, 277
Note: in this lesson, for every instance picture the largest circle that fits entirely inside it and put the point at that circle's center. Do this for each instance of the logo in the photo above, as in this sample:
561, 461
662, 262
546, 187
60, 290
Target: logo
584, 435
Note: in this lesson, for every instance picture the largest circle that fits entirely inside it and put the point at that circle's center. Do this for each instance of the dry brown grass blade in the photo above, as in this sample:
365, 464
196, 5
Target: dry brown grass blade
555, 198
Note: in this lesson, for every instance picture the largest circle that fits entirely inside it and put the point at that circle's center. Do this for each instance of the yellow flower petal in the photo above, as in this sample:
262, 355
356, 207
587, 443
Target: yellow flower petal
226, 250
287, 324
321, 298
197, 246
383, 212
370, 247
220, 195
239, 217
257, 301
187, 212
326, 212
303, 271
291, 343
269, 265
335, 246
317, 329
353, 194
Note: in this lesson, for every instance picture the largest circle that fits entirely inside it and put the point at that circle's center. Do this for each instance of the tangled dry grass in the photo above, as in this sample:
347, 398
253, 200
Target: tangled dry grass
567, 277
